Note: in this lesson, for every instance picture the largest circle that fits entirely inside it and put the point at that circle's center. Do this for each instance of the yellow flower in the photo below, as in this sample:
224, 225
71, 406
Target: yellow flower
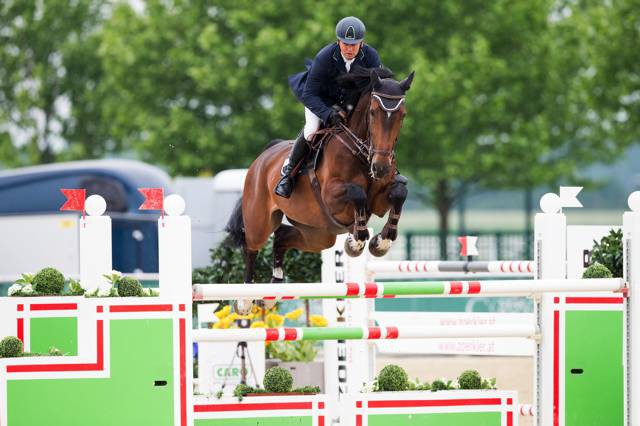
224, 323
223, 312
318, 321
220, 324
294, 315
258, 324
274, 320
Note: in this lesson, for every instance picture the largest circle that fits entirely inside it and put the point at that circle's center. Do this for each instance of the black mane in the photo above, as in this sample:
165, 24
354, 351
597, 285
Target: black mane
358, 81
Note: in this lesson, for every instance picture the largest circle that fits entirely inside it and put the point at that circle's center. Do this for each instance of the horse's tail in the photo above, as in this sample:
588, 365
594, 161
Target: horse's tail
235, 226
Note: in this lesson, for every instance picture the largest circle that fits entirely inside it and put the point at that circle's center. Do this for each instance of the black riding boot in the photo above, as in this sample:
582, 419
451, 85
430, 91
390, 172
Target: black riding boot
284, 188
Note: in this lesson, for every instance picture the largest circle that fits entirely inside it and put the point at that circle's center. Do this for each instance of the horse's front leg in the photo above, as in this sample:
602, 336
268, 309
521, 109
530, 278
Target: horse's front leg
357, 238
396, 196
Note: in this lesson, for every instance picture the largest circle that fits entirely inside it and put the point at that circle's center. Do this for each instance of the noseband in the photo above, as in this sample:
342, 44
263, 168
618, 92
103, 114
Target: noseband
387, 104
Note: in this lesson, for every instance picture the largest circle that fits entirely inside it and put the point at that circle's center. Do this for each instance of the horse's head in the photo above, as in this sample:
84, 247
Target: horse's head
386, 113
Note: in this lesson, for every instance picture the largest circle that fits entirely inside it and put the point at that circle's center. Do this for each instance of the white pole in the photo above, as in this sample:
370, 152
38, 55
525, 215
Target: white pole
428, 332
421, 289
631, 243
95, 245
174, 240
335, 368
550, 257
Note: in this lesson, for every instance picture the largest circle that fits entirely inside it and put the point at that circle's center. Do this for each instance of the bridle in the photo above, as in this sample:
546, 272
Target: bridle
389, 109
363, 150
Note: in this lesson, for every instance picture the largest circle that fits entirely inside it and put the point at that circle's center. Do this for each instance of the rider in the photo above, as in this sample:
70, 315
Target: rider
318, 90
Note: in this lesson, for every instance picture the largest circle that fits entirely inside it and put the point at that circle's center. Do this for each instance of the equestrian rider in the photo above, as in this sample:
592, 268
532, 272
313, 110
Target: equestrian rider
318, 90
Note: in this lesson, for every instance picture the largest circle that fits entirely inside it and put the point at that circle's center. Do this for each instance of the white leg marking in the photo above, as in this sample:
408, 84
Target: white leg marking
278, 273
384, 245
244, 306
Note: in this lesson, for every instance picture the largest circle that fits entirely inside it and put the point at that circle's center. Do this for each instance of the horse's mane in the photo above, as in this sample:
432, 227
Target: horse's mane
358, 81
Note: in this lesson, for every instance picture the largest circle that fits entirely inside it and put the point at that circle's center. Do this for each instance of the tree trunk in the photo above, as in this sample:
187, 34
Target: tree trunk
46, 155
528, 216
443, 201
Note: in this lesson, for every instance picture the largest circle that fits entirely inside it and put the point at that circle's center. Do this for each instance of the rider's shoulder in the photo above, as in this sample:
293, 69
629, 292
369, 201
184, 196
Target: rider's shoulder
367, 48
369, 51
328, 51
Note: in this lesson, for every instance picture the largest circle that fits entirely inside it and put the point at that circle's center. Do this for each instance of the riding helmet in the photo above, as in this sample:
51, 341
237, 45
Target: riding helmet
350, 30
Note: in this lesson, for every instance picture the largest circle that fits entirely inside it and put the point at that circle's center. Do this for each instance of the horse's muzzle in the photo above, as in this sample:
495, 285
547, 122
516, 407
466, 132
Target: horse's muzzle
380, 169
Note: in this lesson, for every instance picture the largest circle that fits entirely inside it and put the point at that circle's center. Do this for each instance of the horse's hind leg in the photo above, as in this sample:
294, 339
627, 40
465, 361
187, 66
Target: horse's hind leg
381, 243
258, 225
283, 237
357, 239
243, 306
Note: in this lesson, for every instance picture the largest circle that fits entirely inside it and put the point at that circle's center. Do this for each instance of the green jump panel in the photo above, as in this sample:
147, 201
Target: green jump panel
436, 419
141, 354
258, 421
60, 333
594, 374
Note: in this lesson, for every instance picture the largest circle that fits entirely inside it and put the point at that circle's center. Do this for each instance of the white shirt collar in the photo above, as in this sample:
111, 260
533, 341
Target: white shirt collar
347, 62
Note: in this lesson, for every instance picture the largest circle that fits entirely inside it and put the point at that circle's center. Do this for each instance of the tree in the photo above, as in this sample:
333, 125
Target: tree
43, 60
201, 88
499, 98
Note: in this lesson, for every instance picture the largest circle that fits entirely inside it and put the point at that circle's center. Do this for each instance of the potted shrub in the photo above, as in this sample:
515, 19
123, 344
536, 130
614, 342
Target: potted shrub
299, 356
392, 393
305, 404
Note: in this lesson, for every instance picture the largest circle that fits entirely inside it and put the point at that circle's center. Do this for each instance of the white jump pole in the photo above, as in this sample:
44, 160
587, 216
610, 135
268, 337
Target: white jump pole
362, 333
408, 289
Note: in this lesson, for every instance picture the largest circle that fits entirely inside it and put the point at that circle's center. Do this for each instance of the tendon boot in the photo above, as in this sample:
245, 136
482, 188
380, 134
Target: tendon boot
285, 185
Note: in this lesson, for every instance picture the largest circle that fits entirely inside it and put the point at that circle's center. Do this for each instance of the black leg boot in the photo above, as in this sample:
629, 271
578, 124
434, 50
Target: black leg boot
284, 188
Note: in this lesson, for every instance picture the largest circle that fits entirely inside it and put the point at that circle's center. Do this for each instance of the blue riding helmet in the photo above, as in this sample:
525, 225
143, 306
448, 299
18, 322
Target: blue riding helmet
350, 30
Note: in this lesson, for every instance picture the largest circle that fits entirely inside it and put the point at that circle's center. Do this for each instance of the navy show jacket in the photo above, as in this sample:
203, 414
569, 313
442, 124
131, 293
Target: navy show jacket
317, 88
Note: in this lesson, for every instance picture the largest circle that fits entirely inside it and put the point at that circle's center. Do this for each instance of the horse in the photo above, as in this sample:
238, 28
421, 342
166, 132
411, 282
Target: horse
355, 177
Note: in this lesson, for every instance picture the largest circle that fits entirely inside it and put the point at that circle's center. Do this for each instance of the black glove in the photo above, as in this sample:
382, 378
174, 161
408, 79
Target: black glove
334, 119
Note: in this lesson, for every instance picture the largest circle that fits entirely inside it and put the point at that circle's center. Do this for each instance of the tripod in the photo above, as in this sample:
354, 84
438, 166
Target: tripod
242, 352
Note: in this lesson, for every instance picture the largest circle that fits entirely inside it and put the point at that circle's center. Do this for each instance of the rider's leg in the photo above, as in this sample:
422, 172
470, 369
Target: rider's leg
284, 188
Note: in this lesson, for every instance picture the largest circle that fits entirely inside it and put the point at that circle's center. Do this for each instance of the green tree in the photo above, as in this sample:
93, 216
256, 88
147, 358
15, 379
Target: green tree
46, 57
611, 36
501, 97
200, 87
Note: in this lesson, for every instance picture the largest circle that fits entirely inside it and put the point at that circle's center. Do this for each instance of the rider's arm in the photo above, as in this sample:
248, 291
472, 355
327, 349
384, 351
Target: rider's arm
315, 80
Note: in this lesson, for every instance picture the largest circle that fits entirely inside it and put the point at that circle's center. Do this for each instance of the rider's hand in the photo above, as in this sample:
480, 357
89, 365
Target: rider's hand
335, 119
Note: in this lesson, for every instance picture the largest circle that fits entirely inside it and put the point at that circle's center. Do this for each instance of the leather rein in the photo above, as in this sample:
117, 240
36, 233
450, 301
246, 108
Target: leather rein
360, 149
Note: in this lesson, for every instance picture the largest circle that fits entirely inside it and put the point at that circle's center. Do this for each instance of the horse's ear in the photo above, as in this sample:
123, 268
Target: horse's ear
406, 83
375, 79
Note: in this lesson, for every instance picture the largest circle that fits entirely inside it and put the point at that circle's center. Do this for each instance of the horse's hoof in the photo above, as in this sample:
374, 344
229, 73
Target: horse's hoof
353, 248
378, 246
243, 306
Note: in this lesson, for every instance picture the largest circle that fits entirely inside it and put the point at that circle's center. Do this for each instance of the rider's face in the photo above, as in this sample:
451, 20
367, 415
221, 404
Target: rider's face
349, 51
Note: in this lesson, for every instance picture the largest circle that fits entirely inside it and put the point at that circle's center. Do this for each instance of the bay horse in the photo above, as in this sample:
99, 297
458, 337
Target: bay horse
356, 177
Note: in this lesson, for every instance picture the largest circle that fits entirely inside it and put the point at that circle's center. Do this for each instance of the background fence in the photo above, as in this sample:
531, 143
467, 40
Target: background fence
492, 245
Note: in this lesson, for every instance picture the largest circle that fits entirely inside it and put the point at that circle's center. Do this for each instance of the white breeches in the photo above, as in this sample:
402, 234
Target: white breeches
311, 123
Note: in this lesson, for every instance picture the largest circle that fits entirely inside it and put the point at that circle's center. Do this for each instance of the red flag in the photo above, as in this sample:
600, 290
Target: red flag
75, 199
153, 199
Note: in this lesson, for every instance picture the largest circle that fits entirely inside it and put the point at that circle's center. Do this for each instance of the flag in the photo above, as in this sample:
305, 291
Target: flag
75, 199
468, 246
153, 199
